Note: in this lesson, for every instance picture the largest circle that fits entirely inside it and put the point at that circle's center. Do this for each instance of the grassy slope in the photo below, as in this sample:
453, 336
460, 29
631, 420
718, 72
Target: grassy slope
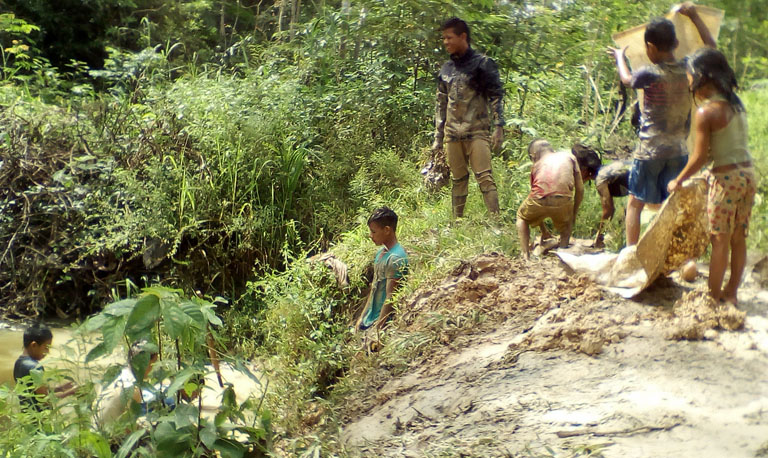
435, 246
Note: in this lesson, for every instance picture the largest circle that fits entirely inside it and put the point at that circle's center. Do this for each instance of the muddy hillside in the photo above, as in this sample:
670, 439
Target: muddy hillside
559, 367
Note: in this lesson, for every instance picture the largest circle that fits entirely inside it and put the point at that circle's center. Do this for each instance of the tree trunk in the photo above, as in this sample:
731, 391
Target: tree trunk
345, 9
222, 26
295, 10
359, 37
280, 11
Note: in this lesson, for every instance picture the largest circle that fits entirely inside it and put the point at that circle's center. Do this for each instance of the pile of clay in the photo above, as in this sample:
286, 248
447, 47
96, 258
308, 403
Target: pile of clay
697, 316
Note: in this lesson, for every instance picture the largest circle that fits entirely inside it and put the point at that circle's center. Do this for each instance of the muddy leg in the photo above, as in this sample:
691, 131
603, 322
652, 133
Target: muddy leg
634, 208
524, 233
565, 236
717, 263
738, 261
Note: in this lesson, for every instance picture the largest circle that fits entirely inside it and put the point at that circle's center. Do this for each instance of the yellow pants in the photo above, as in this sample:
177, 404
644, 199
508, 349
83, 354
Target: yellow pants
475, 153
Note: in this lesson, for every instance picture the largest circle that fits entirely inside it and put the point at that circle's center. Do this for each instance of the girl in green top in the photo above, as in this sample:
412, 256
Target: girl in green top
721, 138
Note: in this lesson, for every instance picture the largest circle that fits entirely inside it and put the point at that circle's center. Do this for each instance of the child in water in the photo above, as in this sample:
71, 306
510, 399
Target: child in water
37, 341
721, 137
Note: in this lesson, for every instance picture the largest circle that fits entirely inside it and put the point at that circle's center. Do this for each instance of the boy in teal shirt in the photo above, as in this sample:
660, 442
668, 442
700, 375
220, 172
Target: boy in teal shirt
389, 267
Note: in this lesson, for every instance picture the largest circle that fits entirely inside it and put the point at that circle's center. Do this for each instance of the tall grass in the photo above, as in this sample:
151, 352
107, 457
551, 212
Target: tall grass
755, 100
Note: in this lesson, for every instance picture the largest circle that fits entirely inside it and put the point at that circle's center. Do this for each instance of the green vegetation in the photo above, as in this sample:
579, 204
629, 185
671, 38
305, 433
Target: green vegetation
175, 328
755, 99
212, 146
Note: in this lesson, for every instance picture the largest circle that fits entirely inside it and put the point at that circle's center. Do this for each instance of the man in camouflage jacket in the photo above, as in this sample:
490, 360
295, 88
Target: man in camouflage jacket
468, 88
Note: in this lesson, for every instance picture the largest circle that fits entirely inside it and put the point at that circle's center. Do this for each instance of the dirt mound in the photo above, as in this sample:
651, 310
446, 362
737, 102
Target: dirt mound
576, 316
586, 324
696, 313
578, 326
498, 287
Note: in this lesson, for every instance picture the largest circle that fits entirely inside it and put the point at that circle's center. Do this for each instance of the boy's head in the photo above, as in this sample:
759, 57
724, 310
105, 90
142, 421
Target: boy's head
589, 161
538, 148
383, 225
37, 341
456, 37
660, 38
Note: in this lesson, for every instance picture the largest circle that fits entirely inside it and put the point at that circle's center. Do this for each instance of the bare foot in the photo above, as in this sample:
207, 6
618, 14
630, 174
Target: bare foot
731, 299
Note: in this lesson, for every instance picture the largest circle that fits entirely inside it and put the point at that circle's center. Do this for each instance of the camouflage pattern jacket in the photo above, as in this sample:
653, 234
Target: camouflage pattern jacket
467, 87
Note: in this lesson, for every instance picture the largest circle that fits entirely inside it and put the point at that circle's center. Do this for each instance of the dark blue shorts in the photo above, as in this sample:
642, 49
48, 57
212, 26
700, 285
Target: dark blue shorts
648, 178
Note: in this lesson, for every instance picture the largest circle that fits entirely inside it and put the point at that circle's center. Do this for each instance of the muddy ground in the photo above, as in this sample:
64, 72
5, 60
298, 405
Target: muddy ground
562, 368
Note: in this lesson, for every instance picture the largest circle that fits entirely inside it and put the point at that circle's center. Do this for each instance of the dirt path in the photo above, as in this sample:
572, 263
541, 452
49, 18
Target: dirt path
529, 387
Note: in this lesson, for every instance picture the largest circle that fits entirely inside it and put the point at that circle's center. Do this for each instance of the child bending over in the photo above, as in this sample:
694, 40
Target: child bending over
556, 193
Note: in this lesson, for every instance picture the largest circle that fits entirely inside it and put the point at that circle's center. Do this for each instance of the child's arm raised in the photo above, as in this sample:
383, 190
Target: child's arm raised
621, 64
689, 9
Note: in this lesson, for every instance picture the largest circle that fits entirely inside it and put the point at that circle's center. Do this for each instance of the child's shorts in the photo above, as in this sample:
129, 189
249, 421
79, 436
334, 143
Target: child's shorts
648, 179
558, 208
731, 196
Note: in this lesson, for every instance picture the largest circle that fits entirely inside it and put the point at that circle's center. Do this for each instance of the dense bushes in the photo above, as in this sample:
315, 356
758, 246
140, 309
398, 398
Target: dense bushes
198, 172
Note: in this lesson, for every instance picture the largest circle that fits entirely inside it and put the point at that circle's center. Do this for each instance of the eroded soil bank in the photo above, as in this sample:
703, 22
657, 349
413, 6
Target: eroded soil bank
562, 368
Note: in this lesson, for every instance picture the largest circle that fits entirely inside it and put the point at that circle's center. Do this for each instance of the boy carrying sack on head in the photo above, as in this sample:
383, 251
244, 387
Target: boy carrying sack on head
37, 342
389, 266
665, 118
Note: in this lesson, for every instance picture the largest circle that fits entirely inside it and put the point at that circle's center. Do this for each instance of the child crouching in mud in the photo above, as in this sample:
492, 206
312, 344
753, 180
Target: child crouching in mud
556, 193
721, 137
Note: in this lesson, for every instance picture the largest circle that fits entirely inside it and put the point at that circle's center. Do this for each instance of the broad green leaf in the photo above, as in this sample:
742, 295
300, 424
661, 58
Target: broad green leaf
220, 418
172, 442
228, 448
95, 444
163, 292
180, 380
120, 308
185, 415
174, 319
113, 331
208, 435
95, 322
228, 398
111, 374
128, 444
195, 313
144, 315
210, 315
139, 364
97, 352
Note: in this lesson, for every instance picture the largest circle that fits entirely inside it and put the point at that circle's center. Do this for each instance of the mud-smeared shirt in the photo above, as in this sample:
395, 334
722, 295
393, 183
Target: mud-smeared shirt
389, 264
553, 175
468, 87
665, 117
616, 176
